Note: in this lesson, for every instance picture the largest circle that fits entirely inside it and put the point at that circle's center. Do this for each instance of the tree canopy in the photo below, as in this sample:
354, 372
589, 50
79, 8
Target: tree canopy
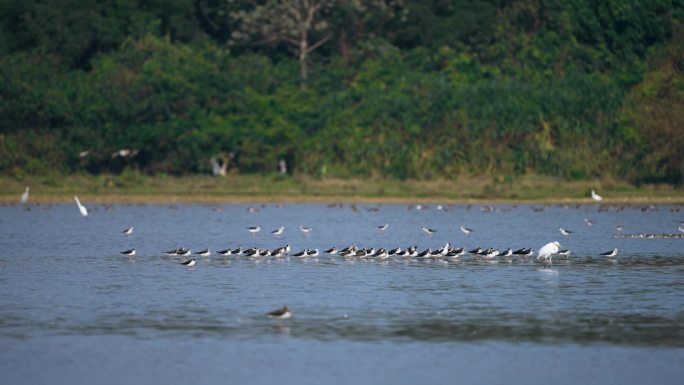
400, 89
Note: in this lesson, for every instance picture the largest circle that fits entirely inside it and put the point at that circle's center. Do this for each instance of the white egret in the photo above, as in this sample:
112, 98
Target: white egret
81, 208
24, 196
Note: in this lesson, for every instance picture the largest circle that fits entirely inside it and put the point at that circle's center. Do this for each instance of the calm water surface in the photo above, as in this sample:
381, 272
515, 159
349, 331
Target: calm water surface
74, 310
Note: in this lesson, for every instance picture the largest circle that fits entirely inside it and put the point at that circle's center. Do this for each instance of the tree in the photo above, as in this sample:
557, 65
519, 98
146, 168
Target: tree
300, 24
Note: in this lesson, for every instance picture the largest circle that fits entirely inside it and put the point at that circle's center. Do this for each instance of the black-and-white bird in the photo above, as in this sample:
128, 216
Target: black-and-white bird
189, 263
564, 231
383, 227
610, 254
564, 253
429, 231
225, 252
332, 251
204, 253
588, 221
506, 253
282, 313
681, 228
254, 229
478, 250
466, 230
278, 231
128, 231
304, 229
130, 253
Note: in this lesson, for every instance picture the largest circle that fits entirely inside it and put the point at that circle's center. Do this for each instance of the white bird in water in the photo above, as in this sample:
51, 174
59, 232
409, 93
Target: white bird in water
254, 229
588, 221
547, 251
383, 227
278, 231
595, 196
189, 263
681, 228
564, 231
305, 230
130, 253
466, 230
128, 231
81, 208
429, 231
24, 196
610, 254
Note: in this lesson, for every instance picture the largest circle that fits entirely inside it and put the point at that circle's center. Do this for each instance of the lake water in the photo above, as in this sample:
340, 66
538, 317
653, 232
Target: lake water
75, 310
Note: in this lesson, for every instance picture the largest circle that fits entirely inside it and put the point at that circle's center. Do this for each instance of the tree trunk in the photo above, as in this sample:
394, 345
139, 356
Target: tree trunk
303, 70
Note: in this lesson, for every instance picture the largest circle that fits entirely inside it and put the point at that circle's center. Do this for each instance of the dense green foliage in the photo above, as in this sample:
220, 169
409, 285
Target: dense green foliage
578, 89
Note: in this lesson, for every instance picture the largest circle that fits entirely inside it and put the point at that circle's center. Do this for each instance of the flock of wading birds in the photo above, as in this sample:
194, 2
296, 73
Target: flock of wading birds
446, 252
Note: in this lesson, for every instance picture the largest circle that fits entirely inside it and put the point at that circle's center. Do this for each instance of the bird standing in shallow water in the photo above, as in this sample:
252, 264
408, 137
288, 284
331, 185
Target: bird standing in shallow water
564, 231
610, 254
25, 196
81, 208
429, 231
282, 313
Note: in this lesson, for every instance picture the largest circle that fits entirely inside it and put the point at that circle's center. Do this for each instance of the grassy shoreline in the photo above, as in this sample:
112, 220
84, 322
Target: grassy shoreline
136, 188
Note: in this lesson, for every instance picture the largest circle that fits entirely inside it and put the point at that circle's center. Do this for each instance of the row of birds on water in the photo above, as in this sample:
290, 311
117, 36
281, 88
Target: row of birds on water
447, 251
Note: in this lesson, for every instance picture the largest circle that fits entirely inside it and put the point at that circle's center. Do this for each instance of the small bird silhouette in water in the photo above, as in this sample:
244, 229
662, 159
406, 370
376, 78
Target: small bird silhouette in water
282, 313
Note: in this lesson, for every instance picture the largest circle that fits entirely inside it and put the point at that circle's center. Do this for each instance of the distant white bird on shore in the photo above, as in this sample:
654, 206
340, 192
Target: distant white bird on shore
595, 196
81, 208
24, 196
128, 231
